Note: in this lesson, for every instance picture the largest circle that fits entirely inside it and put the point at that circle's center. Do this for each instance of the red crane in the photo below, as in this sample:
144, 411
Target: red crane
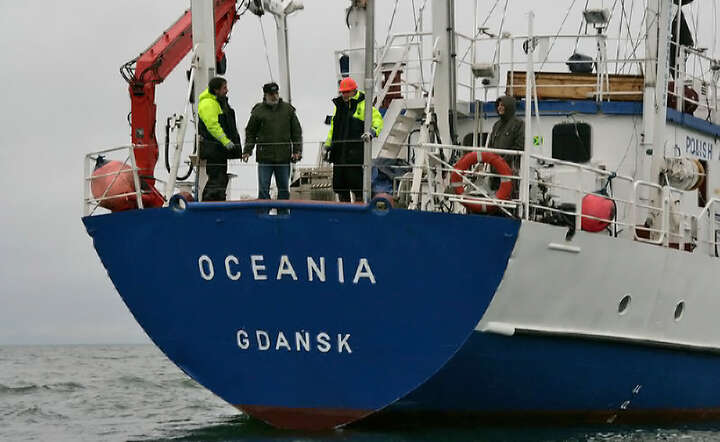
151, 68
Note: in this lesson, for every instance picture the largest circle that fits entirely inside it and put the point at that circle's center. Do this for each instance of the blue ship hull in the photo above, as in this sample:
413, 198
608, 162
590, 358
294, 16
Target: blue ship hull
542, 379
259, 310
309, 320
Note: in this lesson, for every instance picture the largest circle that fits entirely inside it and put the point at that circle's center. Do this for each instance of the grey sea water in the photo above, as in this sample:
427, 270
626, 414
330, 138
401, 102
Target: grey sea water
133, 392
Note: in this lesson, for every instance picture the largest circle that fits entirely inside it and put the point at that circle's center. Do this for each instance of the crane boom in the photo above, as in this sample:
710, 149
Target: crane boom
151, 68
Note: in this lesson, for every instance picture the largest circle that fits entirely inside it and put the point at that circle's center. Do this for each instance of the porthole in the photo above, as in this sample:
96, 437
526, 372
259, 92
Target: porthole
679, 310
624, 304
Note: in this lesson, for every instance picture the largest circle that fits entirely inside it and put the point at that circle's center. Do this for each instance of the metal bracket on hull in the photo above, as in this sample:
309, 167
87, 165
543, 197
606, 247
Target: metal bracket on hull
564, 248
499, 328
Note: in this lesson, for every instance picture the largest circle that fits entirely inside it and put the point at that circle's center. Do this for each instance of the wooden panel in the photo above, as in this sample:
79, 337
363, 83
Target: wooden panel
571, 86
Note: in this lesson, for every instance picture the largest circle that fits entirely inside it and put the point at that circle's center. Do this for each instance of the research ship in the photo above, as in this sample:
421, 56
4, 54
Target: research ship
579, 285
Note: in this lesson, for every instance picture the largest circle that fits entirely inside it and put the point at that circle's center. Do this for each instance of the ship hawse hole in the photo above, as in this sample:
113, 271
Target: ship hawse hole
624, 304
679, 309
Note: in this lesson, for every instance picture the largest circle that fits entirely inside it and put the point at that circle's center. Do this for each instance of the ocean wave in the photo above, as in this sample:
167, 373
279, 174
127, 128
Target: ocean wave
181, 382
61, 387
109, 358
4, 389
136, 380
115, 357
64, 387
35, 412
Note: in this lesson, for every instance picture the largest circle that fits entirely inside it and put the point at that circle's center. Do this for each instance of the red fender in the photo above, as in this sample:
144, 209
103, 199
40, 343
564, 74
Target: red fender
597, 207
500, 167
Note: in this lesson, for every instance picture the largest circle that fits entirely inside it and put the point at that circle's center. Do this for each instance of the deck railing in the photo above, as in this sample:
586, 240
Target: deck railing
555, 194
503, 58
643, 211
612, 77
695, 73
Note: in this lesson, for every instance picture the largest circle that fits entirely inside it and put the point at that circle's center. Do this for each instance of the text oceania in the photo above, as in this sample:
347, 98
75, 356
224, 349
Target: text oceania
299, 341
318, 269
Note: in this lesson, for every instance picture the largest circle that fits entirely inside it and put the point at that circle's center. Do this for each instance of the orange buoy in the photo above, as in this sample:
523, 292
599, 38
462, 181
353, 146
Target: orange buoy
111, 182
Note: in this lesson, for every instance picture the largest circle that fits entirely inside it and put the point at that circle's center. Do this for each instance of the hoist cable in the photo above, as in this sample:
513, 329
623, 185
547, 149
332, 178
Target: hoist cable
502, 25
567, 13
267, 53
477, 31
392, 20
418, 23
577, 40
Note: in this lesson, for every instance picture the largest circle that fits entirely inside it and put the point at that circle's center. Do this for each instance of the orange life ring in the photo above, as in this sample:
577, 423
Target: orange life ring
501, 168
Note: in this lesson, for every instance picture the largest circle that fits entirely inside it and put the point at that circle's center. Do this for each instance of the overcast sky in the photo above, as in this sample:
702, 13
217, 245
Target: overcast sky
63, 97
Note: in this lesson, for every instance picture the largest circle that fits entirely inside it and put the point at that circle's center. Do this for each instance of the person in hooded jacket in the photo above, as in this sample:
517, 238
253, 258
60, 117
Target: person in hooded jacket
345, 144
275, 129
508, 132
219, 137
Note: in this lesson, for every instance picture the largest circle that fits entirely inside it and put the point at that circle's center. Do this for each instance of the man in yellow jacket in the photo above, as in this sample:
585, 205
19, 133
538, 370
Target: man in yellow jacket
219, 137
345, 141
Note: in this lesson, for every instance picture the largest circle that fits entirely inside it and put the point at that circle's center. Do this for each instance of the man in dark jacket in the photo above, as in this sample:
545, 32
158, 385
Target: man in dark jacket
219, 138
275, 129
509, 131
345, 141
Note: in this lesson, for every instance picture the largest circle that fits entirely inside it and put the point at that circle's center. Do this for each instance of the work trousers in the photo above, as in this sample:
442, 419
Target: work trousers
348, 178
282, 180
217, 182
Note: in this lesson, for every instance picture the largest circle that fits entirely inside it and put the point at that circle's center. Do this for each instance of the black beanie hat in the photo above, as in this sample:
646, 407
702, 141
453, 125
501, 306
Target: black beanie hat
270, 88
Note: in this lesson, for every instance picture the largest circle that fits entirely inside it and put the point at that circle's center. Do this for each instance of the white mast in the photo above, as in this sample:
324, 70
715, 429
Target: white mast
283, 57
203, 29
445, 85
203, 69
357, 22
656, 79
280, 9
369, 95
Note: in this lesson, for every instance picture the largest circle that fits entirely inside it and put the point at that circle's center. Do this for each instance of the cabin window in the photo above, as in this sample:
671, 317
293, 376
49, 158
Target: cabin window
481, 137
571, 142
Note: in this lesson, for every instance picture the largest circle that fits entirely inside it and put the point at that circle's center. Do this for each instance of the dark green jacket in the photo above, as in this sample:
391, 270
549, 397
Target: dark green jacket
275, 130
509, 131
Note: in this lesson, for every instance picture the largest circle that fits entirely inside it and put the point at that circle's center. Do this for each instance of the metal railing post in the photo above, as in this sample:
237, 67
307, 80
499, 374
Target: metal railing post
578, 201
529, 77
711, 230
666, 216
87, 182
136, 178
525, 185
680, 79
180, 139
512, 67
